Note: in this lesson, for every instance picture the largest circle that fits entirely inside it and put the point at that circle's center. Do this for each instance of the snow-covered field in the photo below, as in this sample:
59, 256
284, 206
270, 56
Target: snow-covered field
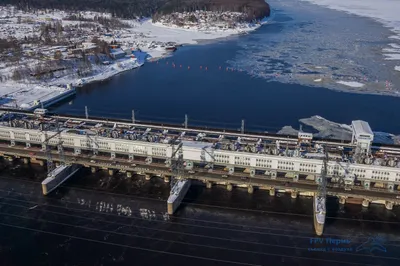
26, 96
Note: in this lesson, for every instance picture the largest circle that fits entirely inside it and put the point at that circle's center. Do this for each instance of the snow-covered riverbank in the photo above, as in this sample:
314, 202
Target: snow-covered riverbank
148, 40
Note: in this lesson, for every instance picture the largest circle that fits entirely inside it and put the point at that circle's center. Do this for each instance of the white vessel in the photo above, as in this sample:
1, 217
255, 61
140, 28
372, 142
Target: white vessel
58, 176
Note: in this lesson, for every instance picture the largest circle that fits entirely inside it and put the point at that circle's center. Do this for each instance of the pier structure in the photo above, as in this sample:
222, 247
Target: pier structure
352, 169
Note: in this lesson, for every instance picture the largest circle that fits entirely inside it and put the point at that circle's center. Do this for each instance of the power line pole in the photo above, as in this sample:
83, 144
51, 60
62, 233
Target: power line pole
177, 164
86, 112
47, 148
133, 116
59, 145
186, 121
242, 127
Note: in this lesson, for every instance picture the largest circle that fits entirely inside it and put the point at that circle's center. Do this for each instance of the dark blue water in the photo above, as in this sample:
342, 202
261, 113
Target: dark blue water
97, 220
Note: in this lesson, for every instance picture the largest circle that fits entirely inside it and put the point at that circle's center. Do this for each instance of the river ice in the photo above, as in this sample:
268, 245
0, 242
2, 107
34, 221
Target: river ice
316, 46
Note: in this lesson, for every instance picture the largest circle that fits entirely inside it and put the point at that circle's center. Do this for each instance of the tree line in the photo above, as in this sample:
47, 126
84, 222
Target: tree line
255, 9
118, 8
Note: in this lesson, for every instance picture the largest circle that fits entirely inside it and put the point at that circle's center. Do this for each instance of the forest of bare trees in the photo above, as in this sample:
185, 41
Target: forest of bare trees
118, 8
146, 8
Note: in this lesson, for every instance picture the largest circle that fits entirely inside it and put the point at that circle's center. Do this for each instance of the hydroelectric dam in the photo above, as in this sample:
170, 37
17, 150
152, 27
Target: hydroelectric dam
357, 171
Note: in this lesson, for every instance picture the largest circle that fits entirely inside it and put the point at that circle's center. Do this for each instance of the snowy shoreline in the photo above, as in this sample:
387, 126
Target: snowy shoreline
148, 41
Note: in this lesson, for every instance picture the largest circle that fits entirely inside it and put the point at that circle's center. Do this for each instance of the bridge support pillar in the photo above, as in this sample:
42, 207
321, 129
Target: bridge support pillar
229, 187
113, 155
274, 174
147, 177
177, 194
27, 145
365, 203
272, 192
26, 160
77, 151
310, 177
389, 205
111, 172
208, 184
366, 184
342, 200
129, 174
166, 179
93, 169
293, 194
390, 187
250, 189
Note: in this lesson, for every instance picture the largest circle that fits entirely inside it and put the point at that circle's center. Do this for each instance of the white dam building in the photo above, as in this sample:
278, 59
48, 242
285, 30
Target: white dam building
251, 154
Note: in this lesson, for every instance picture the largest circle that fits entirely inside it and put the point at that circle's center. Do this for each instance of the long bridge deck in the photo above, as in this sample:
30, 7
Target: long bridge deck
139, 166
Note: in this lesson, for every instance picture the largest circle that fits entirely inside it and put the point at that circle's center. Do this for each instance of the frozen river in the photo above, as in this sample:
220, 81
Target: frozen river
296, 67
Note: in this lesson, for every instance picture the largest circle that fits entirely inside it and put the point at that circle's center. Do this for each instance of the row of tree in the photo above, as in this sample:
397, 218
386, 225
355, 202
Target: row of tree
146, 8
118, 8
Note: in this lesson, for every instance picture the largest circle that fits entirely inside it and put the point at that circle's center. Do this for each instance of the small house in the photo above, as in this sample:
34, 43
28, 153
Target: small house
117, 54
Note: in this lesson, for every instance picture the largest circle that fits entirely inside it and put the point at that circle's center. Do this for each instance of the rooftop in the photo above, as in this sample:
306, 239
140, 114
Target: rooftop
361, 127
